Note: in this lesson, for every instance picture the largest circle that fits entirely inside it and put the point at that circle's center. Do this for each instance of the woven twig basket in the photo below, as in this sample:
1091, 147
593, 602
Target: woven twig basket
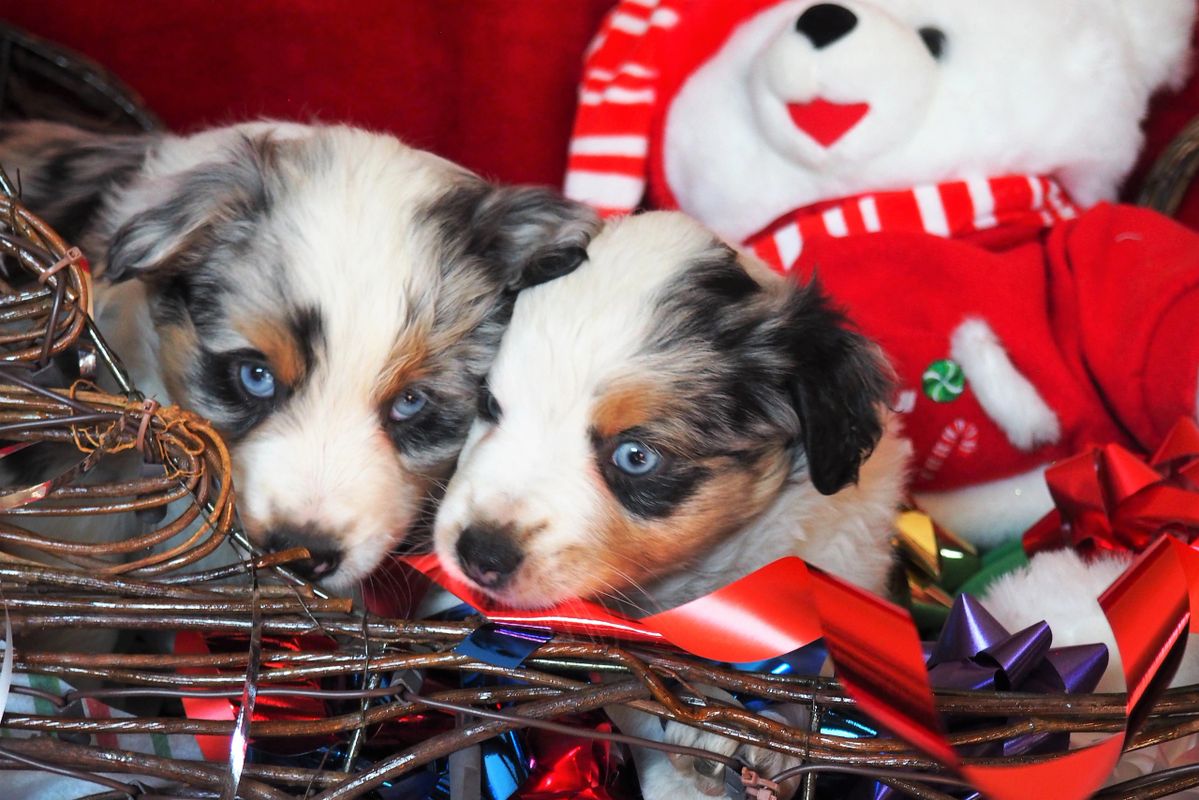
153, 582
366, 671
41, 80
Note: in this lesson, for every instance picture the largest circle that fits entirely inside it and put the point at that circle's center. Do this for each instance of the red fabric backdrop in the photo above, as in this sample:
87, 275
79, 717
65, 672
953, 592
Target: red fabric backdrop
489, 83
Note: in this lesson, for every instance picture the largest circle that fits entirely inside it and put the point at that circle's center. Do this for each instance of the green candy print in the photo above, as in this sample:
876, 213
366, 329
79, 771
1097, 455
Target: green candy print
944, 381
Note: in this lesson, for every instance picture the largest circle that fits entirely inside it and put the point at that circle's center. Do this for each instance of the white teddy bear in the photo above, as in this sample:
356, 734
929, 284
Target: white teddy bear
946, 168
931, 90
932, 160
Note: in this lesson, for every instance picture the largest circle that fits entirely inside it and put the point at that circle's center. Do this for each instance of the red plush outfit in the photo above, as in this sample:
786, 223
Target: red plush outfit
1022, 330
1095, 309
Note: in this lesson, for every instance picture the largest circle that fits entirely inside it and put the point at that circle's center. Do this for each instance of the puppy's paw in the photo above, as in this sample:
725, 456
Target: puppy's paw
709, 777
668, 775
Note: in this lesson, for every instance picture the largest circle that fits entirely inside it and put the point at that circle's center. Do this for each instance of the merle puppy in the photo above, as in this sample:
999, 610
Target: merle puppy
329, 297
667, 418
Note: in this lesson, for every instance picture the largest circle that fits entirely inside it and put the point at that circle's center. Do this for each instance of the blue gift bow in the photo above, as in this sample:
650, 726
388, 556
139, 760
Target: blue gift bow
507, 764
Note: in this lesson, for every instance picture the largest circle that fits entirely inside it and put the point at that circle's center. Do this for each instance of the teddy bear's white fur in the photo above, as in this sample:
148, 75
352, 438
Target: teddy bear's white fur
1055, 87
1021, 87
1063, 589
1052, 87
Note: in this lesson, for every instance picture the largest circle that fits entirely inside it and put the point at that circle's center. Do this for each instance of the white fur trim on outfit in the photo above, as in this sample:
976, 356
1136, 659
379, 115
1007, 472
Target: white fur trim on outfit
1007, 396
991, 513
1063, 589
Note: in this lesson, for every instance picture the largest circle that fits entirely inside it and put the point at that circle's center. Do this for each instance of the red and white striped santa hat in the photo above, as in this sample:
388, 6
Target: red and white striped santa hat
641, 56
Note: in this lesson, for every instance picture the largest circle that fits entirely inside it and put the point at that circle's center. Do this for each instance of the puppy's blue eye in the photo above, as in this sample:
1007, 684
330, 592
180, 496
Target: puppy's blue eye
257, 379
489, 408
636, 459
410, 403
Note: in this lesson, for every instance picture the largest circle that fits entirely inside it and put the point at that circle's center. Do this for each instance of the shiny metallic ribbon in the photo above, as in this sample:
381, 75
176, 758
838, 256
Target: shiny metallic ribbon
975, 653
936, 561
6, 665
878, 653
216, 747
239, 742
570, 769
1110, 500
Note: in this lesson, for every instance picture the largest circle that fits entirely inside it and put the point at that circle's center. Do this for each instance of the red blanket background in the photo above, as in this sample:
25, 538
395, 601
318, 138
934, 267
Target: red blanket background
488, 83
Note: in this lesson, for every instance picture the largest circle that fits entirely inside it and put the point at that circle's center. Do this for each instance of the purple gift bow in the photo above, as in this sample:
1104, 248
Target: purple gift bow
975, 652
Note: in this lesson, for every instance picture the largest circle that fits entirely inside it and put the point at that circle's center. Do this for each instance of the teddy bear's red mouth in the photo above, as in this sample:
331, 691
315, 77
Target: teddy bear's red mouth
827, 122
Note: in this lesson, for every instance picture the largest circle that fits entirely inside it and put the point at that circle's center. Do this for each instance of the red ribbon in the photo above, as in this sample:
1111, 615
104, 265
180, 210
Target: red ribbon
875, 645
569, 769
223, 709
777, 609
1110, 500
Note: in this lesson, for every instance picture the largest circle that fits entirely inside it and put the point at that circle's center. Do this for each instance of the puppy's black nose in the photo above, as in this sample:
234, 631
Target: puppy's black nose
488, 556
825, 23
324, 553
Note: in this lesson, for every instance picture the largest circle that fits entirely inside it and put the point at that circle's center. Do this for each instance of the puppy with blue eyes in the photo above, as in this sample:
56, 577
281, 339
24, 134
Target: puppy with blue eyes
330, 298
660, 422
666, 419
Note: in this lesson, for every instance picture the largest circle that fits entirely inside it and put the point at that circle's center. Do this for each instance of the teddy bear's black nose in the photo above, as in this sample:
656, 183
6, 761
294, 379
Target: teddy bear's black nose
825, 23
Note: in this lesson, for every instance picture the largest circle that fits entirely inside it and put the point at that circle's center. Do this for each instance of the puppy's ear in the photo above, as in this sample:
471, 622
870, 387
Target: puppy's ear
530, 235
66, 174
184, 217
839, 386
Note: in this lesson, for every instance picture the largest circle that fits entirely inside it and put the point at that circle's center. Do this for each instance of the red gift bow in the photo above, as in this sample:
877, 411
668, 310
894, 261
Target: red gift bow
569, 769
1110, 500
876, 648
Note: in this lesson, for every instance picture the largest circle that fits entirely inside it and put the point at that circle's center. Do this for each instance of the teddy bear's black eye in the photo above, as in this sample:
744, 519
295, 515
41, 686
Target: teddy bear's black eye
934, 40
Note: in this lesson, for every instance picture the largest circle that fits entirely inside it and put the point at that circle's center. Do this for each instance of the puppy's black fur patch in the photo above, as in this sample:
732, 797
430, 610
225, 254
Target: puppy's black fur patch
525, 235
762, 365
308, 328
652, 496
444, 426
214, 382
839, 384
66, 174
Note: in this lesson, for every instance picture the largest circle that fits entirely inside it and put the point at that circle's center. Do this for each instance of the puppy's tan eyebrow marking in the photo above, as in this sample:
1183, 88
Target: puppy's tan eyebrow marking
627, 405
275, 340
178, 345
406, 363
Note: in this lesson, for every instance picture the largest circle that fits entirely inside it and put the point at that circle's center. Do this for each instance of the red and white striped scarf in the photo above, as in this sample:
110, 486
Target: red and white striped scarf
949, 210
643, 51
609, 147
